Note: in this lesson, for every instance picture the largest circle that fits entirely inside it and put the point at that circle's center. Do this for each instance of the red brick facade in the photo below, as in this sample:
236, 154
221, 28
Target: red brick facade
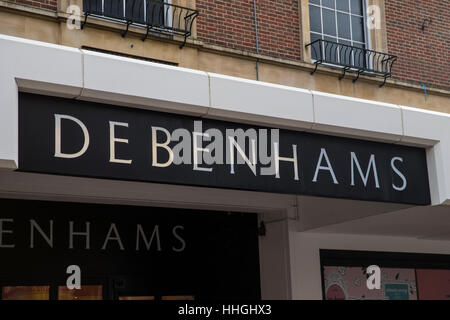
230, 23
423, 56
43, 4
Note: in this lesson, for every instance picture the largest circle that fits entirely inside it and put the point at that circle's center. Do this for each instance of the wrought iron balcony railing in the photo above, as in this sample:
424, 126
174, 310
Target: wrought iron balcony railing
350, 58
156, 16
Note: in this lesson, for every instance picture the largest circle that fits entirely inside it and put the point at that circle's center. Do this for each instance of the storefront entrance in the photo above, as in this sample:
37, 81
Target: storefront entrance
126, 252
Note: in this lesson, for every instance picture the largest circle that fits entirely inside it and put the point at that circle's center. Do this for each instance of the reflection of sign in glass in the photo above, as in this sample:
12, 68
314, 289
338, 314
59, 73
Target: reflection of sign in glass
133, 247
25, 293
396, 291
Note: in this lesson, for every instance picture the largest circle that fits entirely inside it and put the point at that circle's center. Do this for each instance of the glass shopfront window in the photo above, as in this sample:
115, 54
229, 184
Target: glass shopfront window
349, 283
404, 276
126, 252
84, 293
25, 293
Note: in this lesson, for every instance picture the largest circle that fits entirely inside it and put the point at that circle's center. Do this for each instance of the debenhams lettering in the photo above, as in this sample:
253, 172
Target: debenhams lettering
145, 239
79, 138
213, 153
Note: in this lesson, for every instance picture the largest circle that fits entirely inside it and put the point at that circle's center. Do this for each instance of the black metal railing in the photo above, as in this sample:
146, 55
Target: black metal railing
156, 16
350, 58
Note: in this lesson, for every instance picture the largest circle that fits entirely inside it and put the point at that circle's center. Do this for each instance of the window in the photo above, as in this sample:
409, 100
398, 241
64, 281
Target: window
404, 276
156, 16
88, 292
349, 283
25, 293
342, 22
153, 12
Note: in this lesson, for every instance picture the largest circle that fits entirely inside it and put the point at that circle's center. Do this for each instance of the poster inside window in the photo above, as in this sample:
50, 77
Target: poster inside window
349, 283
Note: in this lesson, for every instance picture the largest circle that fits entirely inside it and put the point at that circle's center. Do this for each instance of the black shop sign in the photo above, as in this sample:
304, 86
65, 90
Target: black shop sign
79, 138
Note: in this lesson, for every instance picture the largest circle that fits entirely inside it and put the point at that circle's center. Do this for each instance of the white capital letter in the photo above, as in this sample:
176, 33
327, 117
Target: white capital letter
323, 153
116, 237
34, 225
277, 160
196, 149
58, 152
250, 164
113, 140
403, 187
5, 231
86, 234
148, 244
164, 145
365, 178
176, 235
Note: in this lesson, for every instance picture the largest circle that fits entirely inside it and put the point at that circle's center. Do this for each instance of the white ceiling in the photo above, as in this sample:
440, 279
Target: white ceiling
371, 218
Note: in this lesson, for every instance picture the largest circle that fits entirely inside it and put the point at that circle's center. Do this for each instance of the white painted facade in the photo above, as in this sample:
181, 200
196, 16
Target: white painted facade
297, 226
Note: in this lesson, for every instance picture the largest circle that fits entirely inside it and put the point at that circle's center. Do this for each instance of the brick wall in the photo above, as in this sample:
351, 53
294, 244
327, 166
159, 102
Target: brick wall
43, 4
423, 56
230, 23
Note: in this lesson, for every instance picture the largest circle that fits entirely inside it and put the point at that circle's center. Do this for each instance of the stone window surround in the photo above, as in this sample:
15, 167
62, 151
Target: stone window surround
377, 37
64, 4
305, 64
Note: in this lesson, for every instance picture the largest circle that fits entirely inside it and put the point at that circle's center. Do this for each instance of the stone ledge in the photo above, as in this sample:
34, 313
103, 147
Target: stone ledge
201, 45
